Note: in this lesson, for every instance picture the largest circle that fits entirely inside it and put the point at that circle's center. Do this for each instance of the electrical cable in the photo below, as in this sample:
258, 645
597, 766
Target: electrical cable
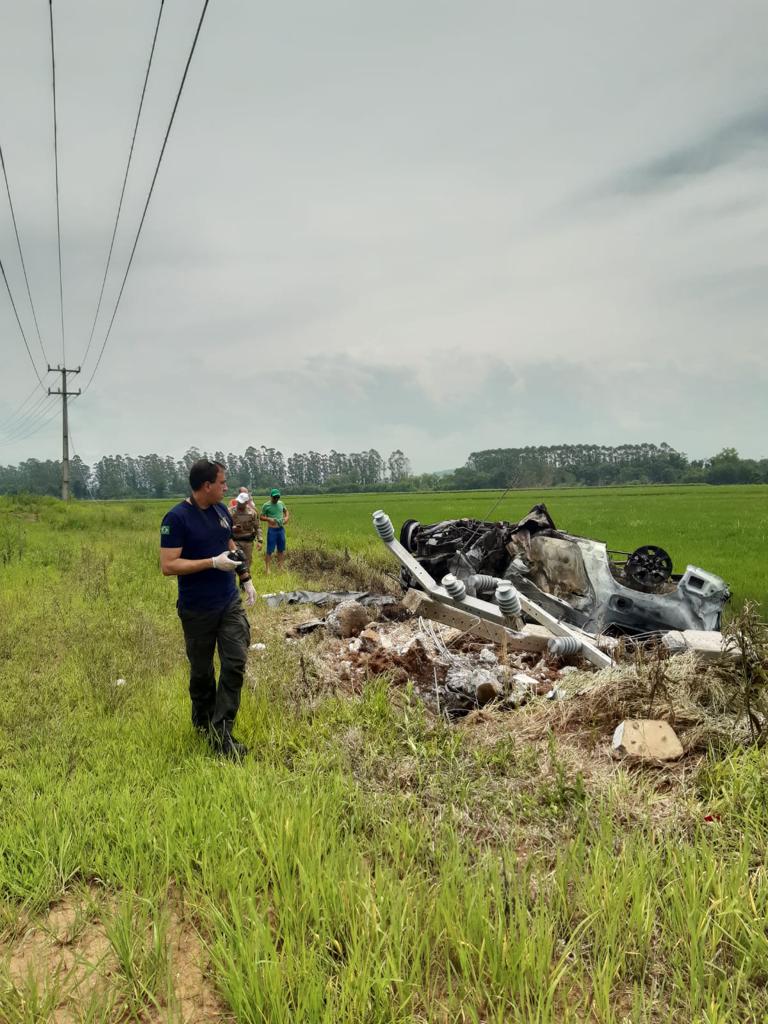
17, 411
23, 436
21, 329
12, 428
493, 507
21, 256
125, 182
58, 209
149, 195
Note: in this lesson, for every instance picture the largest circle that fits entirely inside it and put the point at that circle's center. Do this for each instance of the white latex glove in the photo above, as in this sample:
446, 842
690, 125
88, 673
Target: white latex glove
250, 593
224, 562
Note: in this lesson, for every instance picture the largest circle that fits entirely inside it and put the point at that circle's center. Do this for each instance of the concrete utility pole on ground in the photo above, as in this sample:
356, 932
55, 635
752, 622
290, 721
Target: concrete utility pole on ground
64, 425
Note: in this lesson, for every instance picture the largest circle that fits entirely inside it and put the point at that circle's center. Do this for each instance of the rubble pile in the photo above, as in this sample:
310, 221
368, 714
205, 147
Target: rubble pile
512, 616
451, 670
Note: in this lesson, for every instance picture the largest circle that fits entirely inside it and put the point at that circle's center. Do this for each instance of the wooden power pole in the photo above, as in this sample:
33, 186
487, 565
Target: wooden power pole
64, 425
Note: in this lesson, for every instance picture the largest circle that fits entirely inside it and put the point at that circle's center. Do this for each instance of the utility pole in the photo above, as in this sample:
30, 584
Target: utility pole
64, 425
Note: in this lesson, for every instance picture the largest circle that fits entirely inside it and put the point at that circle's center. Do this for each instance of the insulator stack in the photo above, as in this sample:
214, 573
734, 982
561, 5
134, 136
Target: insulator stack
563, 646
455, 588
508, 599
384, 526
484, 584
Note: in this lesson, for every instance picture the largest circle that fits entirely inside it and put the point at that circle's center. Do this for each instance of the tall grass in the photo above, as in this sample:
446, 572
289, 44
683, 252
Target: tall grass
366, 863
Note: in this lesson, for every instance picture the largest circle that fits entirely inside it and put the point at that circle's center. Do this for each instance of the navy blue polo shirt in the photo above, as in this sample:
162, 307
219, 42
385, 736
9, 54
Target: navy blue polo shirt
200, 533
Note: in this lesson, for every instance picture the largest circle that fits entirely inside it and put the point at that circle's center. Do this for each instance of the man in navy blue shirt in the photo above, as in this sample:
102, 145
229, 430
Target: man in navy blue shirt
195, 545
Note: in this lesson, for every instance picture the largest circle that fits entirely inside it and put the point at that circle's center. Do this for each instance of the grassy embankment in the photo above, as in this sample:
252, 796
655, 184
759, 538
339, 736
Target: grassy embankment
366, 863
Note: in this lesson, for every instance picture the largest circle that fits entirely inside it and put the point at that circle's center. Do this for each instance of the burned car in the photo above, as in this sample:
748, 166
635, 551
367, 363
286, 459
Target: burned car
577, 579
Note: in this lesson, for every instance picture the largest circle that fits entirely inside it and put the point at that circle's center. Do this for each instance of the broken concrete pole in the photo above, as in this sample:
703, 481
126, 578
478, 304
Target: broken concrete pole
707, 645
646, 738
533, 638
348, 619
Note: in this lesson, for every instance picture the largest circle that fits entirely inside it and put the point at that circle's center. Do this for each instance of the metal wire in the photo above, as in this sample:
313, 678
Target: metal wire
56, 164
149, 195
21, 255
25, 421
22, 437
7, 420
125, 182
18, 321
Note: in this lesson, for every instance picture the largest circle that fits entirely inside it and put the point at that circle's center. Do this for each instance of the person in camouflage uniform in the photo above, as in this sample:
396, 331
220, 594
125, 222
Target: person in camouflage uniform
245, 526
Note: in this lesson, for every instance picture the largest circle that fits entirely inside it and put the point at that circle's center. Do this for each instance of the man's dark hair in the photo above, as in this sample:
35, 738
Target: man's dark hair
203, 472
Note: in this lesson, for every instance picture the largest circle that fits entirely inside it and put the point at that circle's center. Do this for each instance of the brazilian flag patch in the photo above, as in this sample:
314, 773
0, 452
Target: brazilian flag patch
165, 530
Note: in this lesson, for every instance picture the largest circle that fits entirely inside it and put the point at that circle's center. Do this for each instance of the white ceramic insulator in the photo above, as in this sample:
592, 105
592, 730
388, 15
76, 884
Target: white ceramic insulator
384, 526
455, 588
508, 599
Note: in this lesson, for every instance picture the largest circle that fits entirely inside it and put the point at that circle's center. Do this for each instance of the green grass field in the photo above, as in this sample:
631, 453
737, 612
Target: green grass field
367, 863
723, 529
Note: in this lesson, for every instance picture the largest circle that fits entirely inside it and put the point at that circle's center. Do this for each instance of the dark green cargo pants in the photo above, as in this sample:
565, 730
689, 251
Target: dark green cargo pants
230, 631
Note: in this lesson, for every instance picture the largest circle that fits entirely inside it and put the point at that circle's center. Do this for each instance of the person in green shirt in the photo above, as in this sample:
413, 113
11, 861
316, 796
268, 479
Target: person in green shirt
276, 516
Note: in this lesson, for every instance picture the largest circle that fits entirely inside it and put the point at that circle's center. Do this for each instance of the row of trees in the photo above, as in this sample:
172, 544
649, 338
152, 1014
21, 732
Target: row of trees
602, 465
156, 476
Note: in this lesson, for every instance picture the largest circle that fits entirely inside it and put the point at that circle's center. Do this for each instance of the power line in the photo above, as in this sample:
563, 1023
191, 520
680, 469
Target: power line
29, 422
125, 181
149, 195
21, 329
21, 255
10, 428
12, 415
56, 162
54, 411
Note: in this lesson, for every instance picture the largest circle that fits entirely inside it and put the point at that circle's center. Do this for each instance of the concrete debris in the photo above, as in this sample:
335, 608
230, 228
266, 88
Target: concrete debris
526, 683
468, 686
348, 619
646, 739
707, 645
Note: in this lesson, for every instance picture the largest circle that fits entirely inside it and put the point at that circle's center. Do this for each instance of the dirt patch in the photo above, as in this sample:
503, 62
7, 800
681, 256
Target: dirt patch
197, 1001
67, 963
65, 957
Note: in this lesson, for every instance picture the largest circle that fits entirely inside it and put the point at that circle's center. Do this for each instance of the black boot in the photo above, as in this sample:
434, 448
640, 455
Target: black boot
225, 744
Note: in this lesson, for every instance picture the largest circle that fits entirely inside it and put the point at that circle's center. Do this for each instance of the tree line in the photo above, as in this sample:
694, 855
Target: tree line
156, 476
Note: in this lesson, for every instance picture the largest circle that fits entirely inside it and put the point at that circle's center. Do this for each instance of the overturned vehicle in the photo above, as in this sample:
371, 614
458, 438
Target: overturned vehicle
577, 579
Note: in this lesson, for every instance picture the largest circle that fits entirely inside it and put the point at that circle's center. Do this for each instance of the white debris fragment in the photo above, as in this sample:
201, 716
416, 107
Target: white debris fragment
120, 682
567, 669
356, 645
523, 681
258, 647
487, 657
556, 693
646, 738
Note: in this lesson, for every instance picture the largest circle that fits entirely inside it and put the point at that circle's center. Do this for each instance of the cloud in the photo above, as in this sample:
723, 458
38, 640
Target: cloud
719, 147
362, 233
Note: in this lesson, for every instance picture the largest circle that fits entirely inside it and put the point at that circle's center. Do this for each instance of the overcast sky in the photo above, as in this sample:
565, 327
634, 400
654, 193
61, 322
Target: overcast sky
433, 225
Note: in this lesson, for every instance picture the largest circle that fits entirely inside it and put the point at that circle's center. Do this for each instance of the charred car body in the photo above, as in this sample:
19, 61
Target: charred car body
575, 578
